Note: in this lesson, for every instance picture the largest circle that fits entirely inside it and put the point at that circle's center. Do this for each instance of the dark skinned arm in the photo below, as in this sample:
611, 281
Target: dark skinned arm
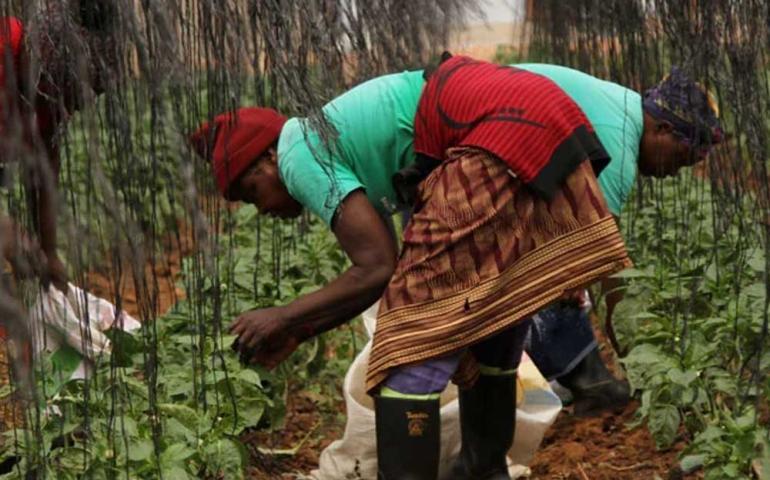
611, 287
43, 203
43, 175
371, 247
612, 292
47, 211
268, 336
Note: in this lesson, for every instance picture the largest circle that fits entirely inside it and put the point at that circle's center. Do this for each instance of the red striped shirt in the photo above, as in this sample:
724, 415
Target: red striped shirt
522, 118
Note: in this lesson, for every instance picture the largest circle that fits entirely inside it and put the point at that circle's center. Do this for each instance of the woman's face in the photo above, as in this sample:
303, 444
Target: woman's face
261, 186
663, 153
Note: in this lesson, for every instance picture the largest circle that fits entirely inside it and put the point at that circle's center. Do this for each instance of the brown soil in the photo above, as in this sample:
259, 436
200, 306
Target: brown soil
163, 271
603, 448
307, 427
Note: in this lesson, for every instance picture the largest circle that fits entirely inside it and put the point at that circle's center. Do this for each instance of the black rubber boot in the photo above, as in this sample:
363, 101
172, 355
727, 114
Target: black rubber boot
487, 422
408, 436
593, 387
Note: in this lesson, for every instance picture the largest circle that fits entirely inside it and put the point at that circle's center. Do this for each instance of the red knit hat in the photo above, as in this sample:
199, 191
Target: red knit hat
11, 34
237, 140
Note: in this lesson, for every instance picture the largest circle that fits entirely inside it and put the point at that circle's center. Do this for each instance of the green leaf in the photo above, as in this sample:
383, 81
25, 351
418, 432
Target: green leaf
228, 340
176, 387
128, 425
6, 391
631, 273
175, 430
710, 434
186, 415
690, 463
176, 473
140, 450
65, 361
731, 470
124, 346
250, 376
250, 412
226, 458
175, 453
756, 290
725, 384
746, 421
664, 422
643, 315
73, 459
645, 354
681, 378
757, 261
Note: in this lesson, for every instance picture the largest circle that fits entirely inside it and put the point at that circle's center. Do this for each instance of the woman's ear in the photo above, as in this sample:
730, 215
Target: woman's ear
272, 154
268, 157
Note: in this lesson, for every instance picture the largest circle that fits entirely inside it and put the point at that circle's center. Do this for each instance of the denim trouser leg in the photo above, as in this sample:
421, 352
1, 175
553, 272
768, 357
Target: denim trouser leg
561, 336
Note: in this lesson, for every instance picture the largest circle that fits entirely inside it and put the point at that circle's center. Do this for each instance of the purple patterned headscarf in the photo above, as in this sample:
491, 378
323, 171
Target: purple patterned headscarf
688, 107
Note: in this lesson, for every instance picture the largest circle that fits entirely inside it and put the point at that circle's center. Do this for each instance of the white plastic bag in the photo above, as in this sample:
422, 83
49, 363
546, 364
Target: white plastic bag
354, 456
77, 319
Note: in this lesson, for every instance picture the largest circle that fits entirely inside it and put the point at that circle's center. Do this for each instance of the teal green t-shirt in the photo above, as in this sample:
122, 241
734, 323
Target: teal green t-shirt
375, 123
616, 115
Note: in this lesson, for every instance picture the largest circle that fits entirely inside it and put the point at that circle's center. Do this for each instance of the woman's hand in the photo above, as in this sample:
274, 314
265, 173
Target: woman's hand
266, 336
56, 273
28, 259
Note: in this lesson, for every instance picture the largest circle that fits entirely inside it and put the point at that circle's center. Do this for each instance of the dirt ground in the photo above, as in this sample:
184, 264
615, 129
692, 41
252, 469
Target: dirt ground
306, 427
603, 448
165, 270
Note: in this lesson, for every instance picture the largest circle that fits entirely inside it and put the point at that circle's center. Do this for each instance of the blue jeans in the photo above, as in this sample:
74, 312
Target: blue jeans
561, 336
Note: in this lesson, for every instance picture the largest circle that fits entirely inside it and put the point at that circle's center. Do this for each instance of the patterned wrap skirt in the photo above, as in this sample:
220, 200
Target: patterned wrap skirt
482, 252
